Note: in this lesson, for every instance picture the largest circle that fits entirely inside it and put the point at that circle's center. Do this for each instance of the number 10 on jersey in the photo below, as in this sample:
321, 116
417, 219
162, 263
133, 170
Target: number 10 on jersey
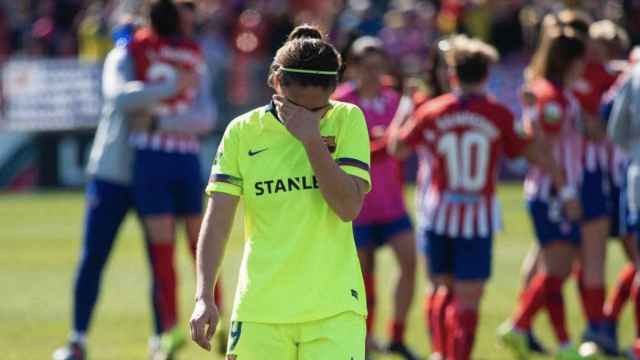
466, 155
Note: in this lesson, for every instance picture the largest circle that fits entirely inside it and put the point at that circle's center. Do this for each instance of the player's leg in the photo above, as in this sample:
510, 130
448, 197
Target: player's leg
154, 198
594, 232
257, 341
161, 231
545, 288
402, 242
339, 337
633, 193
462, 318
106, 207
620, 293
472, 268
439, 255
529, 268
621, 290
428, 306
431, 297
622, 227
633, 352
364, 236
591, 281
530, 265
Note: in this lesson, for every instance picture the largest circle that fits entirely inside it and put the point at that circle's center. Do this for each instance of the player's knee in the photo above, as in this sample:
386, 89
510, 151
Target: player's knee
408, 265
593, 276
161, 239
469, 294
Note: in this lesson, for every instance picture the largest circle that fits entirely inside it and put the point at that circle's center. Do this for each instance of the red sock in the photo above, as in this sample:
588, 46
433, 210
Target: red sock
531, 301
396, 331
164, 279
578, 274
370, 290
594, 304
555, 306
461, 326
620, 293
429, 302
442, 301
636, 302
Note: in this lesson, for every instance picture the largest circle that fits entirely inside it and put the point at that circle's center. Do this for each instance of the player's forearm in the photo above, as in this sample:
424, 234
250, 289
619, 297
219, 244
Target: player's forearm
395, 146
136, 95
538, 153
212, 241
618, 128
338, 188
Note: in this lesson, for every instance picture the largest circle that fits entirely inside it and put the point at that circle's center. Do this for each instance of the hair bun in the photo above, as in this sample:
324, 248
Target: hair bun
305, 31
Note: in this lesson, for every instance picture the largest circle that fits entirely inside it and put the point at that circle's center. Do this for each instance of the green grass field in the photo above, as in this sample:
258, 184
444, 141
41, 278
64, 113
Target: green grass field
40, 241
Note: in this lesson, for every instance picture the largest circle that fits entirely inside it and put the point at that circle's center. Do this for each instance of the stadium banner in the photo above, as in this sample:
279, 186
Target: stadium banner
50, 95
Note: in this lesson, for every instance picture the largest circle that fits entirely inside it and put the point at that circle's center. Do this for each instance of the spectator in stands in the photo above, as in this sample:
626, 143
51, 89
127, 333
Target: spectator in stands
94, 39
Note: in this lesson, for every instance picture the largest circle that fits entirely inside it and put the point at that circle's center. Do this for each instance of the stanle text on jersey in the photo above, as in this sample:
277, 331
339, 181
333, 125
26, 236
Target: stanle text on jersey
296, 183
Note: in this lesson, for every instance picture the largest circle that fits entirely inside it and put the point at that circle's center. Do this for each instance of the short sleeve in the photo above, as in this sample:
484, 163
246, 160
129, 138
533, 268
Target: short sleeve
225, 172
551, 114
352, 146
515, 137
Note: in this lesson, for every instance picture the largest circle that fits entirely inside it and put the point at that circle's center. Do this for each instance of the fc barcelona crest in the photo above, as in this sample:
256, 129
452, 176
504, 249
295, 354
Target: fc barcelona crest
330, 141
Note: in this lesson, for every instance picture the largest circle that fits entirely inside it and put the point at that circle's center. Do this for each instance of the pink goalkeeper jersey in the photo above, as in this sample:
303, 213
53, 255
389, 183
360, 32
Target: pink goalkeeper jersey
385, 202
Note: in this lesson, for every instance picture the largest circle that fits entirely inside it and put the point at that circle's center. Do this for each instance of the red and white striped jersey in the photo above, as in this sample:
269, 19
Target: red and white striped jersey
466, 135
556, 117
595, 81
158, 57
589, 90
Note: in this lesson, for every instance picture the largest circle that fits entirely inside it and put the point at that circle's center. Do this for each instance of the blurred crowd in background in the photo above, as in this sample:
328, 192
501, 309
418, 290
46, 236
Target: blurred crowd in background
239, 37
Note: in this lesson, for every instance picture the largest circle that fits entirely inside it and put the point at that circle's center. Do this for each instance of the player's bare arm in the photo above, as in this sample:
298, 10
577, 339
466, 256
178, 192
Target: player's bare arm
536, 152
212, 242
344, 193
396, 147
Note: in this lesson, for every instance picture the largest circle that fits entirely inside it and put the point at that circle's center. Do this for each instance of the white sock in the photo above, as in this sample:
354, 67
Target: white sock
78, 338
154, 342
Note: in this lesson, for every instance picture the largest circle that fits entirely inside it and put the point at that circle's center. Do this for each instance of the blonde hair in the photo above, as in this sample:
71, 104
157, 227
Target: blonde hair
613, 36
470, 58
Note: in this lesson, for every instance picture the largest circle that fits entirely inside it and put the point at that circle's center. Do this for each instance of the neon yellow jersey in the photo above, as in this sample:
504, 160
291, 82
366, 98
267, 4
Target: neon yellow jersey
300, 262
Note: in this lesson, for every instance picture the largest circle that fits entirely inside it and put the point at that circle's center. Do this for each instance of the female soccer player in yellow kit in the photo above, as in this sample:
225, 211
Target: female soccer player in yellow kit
301, 166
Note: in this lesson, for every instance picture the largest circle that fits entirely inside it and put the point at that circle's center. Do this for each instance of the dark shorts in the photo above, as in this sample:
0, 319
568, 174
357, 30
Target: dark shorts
167, 183
463, 258
595, 195
549, 224
623, 220
378, 234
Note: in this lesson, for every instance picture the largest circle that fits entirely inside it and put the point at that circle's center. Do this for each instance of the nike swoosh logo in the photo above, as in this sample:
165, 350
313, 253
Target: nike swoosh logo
254, 153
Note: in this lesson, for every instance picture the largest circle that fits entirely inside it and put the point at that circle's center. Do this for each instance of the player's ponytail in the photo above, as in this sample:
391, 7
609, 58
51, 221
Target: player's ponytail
306, 59
470, 58
556, 55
